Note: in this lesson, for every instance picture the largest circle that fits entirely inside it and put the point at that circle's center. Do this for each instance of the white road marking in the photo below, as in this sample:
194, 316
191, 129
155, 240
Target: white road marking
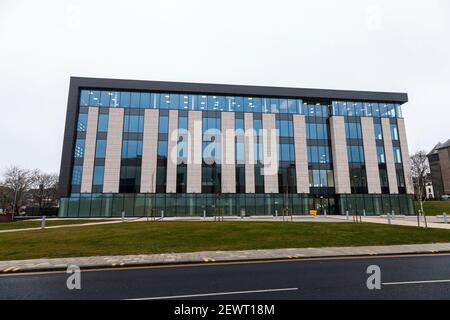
216, 294
413, 282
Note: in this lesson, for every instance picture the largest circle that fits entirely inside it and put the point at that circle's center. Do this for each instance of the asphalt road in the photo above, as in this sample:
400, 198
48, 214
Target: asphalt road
401, 278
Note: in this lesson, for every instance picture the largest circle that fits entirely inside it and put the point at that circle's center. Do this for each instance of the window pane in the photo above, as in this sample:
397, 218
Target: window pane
163, 124
100, 149
82, 122
134, 103
125, 99
79, 148
94, 98
84, 98
76, 175
144, 102
98, 175
394, 132
102, 123
105, 98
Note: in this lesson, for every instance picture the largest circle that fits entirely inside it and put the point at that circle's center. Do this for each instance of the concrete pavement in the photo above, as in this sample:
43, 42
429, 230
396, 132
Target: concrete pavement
36, 265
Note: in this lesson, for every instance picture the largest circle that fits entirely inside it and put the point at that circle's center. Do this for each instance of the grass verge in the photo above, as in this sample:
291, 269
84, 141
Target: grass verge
434, 208
164, 237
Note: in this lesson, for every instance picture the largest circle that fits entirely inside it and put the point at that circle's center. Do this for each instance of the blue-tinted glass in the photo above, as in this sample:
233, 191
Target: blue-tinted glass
343, 109
248, 104
202, 102
239, 104
378, 131
285, 128
134, 102
239, 124
154, 100
257, 104
380, 154
398, 111
240, 155
125, 99
394, 132
144, 102
79, 148
164, 101
105, 98
266, 105
312, 128
82, 122
283, 106
325, 111
183, 123
375, 110
350, 109
358, 109
230, 104
98, 175
131, 149
391, 110
134, 124
94, 98
162, 149
185, 102
274, 105
311, 110
84, 98
383, 110
367, 109
397, 155
174, 101
115, 99
102, 123
216, 103
100, 149
292, 106
77, 173
163, 124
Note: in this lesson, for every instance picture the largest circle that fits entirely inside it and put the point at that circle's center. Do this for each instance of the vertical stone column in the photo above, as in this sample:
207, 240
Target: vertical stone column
249, 146
405, 156
89, 150
172, 155
228, 156
270, 153
370, 152
194, 154
301, 156
340, 158
113, 151
149, 151
444, 162
389, 152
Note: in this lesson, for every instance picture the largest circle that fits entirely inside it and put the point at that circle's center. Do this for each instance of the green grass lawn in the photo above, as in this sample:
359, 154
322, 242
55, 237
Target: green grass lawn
35, 224
163, 237
433, 208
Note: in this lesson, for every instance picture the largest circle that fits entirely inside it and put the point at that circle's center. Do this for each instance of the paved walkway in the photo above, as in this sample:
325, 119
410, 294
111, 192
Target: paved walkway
36, 265
436, 222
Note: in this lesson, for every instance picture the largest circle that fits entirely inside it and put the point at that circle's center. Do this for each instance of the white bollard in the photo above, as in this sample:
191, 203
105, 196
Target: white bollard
276, 213
325, 212
204, 214
393, 214
123, 216
364, 212
389, 218
346, 213
43, 222
445, 218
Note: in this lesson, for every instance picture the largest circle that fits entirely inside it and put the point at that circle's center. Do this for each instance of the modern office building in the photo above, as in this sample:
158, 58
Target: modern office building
188, 149
439, 159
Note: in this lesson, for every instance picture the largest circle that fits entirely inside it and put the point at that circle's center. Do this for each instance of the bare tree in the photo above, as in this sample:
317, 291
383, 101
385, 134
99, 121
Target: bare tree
44, 189
420, 170
19, 181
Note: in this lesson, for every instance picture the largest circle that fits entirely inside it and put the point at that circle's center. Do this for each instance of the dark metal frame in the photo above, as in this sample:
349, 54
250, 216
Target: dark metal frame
78, 83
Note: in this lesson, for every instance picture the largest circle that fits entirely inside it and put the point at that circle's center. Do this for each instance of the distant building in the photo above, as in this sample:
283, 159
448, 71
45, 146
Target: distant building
429, 191
439, 159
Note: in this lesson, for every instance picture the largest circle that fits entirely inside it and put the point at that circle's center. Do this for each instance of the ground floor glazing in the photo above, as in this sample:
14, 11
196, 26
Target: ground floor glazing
198, 205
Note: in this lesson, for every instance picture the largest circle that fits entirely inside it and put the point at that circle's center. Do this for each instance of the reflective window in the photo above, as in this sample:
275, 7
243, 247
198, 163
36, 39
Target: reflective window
131, 149
162, 149
82, 122
84, 98
286, 152
397, 155
321, 178
394, 132
378, 131
94, 98
79, 148
133, 124
98, 175
125, 99
115, 99
274, 105
77, 174
105, 98
144, 102
284, 106
163, 124
353, 130
380, 154
355, 154
216, 103
102, 123
319, 154
285, 128
100, 149
134, 100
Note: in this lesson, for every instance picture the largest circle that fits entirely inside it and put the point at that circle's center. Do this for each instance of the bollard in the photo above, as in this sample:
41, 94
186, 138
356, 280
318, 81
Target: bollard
162, 214
393, 214
204, 214
276, 213
325, 212
43, 222
242, 213
445, 218
364, 212
123, 216
389, 218
346, 213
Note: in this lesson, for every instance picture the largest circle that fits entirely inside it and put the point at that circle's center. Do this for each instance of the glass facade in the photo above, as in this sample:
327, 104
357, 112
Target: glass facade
319, 154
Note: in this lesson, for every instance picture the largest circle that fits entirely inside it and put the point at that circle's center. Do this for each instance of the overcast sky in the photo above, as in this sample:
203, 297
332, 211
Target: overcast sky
378, 45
